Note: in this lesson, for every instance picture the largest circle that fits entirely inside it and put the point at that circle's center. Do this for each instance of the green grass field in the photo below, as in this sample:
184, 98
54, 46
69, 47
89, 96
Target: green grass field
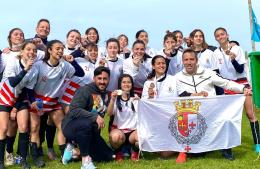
245, 158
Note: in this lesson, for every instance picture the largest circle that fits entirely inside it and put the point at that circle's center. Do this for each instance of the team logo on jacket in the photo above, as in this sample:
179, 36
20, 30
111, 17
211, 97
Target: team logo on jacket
187, 126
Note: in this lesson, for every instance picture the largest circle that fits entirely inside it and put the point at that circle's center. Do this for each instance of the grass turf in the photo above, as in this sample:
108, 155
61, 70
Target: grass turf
244, 157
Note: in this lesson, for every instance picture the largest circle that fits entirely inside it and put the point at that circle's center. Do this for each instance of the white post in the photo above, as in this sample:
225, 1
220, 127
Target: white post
251, 23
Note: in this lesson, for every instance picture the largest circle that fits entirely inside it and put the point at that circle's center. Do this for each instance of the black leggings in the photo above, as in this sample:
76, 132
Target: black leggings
86, 134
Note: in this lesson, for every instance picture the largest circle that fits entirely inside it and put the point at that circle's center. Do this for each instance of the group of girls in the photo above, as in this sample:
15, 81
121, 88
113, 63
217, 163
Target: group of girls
39, 84
31, 87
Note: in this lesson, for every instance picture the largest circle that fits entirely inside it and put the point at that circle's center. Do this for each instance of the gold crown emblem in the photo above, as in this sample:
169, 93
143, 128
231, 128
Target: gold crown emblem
187, 106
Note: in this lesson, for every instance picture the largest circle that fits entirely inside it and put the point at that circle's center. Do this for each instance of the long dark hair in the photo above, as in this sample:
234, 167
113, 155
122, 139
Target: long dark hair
176, 32
95, 30
220, 28
131, 94
49, 46
139, 32
152, 74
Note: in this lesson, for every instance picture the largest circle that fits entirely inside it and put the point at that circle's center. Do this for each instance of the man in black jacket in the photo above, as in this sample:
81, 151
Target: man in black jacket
85, 118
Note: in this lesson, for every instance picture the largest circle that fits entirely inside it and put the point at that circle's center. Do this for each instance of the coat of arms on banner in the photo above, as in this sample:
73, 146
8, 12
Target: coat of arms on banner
187, 126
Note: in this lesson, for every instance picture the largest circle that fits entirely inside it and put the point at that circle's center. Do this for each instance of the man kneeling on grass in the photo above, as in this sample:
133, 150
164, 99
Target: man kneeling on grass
84, 120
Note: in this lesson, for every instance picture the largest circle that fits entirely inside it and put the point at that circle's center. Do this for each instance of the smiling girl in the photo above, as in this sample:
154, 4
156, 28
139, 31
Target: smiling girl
138, 65
17, 77
51, 73
123, 106
72, 42
231, 63
112, 61
199, 45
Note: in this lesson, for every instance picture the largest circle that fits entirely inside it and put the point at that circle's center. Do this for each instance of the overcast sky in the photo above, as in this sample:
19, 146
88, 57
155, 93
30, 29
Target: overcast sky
113, 17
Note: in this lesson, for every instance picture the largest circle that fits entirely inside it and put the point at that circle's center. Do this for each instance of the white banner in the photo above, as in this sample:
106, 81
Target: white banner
190, 124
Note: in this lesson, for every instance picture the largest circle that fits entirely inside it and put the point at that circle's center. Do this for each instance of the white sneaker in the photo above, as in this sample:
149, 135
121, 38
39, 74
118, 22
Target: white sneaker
9, 159
88, 165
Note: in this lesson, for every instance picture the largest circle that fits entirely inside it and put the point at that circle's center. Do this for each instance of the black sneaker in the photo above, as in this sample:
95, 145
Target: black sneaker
2, 166
227, 154
39, 162
25, 165
40, 151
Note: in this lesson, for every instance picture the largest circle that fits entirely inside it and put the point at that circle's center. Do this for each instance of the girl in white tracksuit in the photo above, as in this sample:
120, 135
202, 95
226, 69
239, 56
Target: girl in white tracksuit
113, 62
173, 56
160, 84
199, 45
231, 64
138, 65
72, 42
143, 36
14, 88
123, 42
